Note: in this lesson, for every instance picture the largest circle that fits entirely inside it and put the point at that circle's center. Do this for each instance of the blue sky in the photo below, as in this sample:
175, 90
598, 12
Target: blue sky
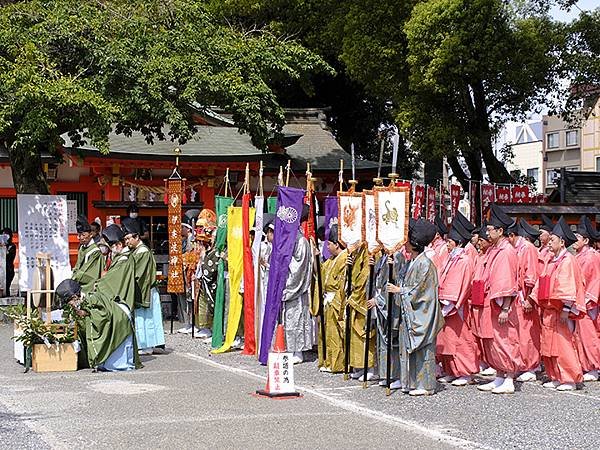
567, 16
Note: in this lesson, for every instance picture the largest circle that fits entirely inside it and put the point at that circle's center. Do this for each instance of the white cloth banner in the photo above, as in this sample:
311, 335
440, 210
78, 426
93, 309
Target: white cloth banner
259, 205
392, 209
350, 220
43, 227
370, 221
4, 290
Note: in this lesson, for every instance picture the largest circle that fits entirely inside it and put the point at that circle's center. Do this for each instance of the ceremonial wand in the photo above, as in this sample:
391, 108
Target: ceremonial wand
390, 305
311, 192
378, 182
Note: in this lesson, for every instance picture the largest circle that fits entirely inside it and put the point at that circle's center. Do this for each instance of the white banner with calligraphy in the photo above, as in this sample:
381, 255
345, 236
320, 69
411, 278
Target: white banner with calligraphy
370, 222
43, 228
392, 209
350, 219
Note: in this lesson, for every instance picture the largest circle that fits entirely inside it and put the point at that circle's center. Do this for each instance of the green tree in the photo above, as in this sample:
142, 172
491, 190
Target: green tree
456, 71
83, 67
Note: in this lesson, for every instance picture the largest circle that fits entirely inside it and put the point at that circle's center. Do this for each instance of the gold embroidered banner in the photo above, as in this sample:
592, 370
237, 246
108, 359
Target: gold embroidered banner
350, 219
391, 215
175, 281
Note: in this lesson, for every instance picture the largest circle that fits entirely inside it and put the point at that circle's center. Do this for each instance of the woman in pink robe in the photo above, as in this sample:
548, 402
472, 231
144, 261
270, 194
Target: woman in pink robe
587, 336
456, 346
529, 318
498, 321
560, 293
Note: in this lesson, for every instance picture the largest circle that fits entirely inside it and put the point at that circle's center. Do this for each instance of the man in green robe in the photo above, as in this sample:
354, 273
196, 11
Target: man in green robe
420, 312
89, 259
148, 313
108, 327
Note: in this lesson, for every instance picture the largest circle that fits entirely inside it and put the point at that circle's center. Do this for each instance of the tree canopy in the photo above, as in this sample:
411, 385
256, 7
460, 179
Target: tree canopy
83, 67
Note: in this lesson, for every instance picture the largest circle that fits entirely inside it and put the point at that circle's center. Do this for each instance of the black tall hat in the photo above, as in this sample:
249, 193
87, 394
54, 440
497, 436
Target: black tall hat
113, 234
66, 290
547, 224
563, 230
422, 232
499, 219
440, 226
587, 230
464, 222
82, 224
527, 231
459, 233
333, 234
131, 226
483, 232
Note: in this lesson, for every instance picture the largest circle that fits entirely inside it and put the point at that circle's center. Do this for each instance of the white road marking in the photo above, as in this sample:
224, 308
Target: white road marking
355, 408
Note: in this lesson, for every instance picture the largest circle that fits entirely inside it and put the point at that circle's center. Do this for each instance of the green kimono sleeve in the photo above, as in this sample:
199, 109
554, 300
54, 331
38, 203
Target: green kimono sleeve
145, 273
88, 268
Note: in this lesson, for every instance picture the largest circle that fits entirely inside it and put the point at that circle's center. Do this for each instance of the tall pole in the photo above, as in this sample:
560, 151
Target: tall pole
390, 306
368, 336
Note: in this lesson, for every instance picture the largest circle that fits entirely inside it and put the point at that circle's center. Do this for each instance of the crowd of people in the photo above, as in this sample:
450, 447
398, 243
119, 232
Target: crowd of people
465, 301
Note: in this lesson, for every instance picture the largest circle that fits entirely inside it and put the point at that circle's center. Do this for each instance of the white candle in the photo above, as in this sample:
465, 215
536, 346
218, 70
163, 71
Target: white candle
353, 169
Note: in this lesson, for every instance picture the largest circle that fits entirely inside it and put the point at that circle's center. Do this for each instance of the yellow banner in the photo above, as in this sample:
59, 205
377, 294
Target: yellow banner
235, 263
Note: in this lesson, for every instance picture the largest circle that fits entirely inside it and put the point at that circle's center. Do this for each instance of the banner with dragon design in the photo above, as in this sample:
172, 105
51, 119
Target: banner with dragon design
392, 208
370, 221
350, 220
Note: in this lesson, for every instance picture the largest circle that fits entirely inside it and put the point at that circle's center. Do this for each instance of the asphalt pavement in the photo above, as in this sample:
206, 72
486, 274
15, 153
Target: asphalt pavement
188, 398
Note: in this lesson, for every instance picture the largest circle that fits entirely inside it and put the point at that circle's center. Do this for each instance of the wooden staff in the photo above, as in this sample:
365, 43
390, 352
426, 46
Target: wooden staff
226, 181
347, 311
390, 306
371, 293
311, 191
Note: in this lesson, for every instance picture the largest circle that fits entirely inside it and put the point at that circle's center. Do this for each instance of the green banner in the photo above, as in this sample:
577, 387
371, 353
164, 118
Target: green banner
272, 205
221, 203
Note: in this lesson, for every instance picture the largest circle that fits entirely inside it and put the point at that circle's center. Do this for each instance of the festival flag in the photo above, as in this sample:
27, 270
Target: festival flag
473, 197
221, 205
488, 196
175, 281
308, 226
430, 211
455, 193
272, 204
259, 205
520, 193
502, 193
248, 277
235, 266
287, 224
350, 217
331, 218
392, 206
370, 222
418, 201
443, 210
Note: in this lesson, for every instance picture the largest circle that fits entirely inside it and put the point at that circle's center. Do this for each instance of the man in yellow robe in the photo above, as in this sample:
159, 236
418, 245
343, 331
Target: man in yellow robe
358, 314
333, 274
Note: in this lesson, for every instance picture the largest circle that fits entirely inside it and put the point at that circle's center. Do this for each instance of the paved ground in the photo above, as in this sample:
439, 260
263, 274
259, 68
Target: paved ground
190, 399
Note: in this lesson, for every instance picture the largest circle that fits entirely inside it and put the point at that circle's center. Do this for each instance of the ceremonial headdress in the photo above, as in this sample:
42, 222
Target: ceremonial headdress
547, 224
189, 218
441, 227
464, 222
422, 233
563, 231
527, 231
113, 234
499, 219
333, 234
458, 233
131, 226
483, 232
133, 208
66, 290
82, 224
206, 224
586, 229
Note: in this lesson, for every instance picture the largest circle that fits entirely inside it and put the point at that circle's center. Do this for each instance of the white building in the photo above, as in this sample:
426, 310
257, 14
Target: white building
525, 141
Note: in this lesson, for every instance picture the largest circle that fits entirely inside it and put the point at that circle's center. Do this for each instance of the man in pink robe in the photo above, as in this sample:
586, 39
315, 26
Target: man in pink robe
545, 255
437, 251
456, 346
587, 336
522, 237
560, 292
499, 321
